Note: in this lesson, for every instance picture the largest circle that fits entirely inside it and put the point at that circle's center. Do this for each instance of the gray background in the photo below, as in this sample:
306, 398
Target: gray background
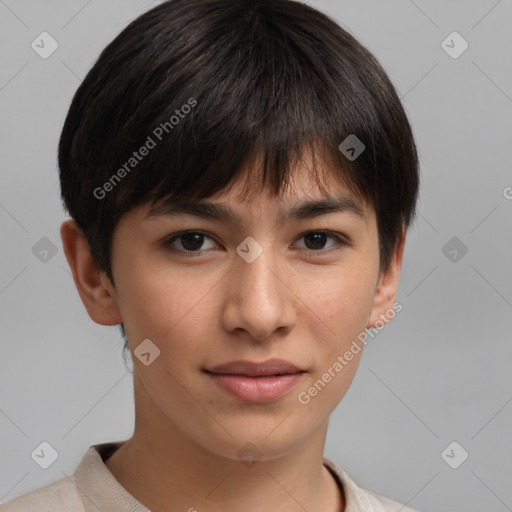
439, 372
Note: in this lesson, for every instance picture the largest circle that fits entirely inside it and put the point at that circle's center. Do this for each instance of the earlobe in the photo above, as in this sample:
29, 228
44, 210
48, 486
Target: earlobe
385, 295
93, 286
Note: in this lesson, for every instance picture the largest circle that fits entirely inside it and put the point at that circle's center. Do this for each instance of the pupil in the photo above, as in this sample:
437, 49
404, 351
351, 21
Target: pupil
318, 240
196, 240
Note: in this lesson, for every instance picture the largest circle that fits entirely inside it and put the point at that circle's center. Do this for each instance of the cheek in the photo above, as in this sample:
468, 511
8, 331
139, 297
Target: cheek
337, 313
148, 305
342, 300
169, 308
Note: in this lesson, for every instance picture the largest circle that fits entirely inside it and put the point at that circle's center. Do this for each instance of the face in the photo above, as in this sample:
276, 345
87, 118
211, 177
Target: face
301, 289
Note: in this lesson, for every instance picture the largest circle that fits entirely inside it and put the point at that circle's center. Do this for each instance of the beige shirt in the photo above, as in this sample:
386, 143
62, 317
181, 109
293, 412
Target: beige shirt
93, 488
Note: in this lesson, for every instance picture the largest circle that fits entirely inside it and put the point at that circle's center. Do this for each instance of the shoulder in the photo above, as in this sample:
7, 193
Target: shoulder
384, 504
59, 496
360, 499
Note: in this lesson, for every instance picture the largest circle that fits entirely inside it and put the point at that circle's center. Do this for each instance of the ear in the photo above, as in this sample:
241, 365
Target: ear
94, 287
387, 287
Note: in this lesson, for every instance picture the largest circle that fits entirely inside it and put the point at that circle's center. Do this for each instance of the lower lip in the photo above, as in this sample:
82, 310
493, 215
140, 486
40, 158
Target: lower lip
256, 390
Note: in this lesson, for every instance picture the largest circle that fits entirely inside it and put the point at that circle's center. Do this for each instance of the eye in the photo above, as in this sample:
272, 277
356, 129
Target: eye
191, 243
315, 241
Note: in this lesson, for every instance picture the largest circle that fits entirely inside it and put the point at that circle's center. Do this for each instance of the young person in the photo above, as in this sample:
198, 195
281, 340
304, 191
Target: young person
240, 177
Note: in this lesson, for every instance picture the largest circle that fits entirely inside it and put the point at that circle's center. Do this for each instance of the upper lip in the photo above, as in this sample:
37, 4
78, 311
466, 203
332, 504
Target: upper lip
252, 369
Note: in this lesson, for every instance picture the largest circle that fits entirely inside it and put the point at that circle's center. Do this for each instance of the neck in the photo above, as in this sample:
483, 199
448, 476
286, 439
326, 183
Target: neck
166, 470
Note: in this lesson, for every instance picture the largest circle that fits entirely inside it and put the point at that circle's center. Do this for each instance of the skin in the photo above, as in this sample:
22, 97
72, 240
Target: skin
289, 303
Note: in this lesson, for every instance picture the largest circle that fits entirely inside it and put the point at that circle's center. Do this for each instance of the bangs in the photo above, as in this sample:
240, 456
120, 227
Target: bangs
194, 95
274, 103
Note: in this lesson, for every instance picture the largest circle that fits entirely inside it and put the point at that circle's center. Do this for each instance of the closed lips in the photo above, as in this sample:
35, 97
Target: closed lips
254, 369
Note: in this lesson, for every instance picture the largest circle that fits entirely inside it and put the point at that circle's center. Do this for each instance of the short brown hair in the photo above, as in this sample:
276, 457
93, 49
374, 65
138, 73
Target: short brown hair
225, 82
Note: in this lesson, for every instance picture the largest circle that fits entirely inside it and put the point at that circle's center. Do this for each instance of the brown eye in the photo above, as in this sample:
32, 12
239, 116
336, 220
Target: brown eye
192, 241
315, 241
188, 242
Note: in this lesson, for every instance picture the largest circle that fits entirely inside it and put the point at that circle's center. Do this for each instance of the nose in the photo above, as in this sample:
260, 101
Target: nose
260, 298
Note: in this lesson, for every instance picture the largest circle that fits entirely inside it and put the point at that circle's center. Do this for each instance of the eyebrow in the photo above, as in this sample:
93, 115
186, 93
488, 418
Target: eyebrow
305, 210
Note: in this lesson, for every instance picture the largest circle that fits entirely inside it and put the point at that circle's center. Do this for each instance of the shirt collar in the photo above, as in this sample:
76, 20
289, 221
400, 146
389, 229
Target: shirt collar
101, 492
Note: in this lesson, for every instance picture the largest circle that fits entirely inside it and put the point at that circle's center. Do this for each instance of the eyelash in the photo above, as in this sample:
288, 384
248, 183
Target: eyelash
341, 241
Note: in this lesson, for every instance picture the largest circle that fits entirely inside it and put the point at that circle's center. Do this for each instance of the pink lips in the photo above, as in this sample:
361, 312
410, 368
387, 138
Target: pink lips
256, 382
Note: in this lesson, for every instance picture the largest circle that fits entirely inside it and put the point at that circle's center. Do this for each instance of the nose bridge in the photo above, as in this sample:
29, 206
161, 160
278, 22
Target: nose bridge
257, 278
259, 301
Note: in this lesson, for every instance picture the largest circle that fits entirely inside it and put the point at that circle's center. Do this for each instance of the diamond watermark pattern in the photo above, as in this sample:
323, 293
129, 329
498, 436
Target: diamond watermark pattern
351, 147
249, 249
45, 455
249, 454
44, 45
454, 249
454, 45
146, 352
44, 250
454, 455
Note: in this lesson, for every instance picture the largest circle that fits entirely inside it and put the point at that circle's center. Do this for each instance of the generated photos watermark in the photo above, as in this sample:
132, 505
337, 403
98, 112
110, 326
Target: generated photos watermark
304, 397
151, 142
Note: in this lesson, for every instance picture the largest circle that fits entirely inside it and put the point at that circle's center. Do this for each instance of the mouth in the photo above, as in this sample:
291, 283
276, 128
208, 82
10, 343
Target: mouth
253, 382
254, 369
